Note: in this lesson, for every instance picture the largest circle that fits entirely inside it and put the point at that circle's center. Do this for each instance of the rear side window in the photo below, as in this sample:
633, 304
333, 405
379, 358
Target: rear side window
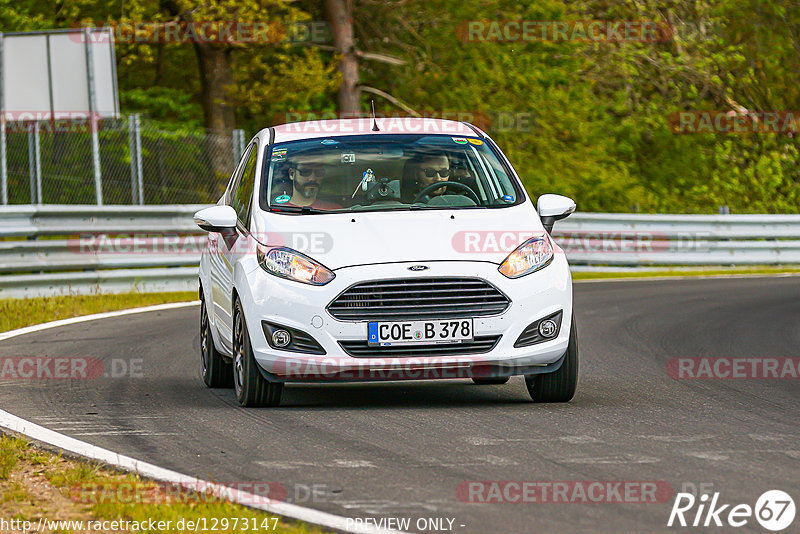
243, 197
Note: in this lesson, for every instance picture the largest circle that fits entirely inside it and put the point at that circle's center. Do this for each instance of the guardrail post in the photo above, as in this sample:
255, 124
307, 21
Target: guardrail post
135, 142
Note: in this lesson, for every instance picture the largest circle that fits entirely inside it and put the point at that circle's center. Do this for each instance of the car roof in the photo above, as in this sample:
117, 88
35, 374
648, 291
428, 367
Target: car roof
364, 126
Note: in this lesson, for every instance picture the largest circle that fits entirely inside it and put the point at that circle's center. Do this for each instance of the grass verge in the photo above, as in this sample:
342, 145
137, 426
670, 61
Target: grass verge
699, 272
18, 313
36, 483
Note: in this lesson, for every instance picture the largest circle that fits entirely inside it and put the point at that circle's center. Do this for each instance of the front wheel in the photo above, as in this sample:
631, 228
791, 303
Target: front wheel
252, 389
560, 385
217, 373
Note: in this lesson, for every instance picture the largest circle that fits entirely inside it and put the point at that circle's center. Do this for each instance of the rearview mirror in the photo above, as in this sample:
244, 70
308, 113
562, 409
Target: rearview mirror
220, 218
553, 208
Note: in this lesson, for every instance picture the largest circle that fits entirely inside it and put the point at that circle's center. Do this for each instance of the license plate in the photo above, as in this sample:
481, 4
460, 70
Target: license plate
409, 332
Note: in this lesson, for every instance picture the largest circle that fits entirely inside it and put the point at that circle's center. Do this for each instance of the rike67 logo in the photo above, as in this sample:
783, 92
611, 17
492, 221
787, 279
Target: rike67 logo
774, 510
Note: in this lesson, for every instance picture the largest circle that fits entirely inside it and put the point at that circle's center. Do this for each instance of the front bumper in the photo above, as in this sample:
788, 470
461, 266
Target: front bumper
303, 307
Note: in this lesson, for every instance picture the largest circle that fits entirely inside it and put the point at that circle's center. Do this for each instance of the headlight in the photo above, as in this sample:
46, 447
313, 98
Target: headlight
529, 257
288, 263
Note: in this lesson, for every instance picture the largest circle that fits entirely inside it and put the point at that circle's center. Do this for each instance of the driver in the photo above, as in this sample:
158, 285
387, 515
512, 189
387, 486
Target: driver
425, 170
307, 174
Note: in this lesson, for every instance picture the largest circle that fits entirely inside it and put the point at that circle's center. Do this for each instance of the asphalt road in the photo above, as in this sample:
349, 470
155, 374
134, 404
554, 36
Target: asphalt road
403, 449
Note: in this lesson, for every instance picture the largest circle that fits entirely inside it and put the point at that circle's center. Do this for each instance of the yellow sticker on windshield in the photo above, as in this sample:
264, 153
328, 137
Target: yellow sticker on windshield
475, 141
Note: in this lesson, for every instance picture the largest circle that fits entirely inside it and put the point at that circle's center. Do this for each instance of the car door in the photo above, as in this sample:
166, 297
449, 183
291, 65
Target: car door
228, 246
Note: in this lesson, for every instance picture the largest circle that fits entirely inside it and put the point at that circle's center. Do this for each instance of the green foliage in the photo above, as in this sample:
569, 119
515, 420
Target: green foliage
168, 106
601, 132
587, 119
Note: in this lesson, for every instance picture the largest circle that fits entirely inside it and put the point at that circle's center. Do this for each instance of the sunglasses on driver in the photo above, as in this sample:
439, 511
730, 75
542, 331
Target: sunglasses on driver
430, 172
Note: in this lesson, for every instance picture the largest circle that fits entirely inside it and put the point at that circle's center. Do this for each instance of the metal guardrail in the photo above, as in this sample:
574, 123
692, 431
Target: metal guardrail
48, 220
619, 239
53, 258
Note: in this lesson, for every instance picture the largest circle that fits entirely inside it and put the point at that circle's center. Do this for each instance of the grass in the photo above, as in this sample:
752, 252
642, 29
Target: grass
9, 453
40, 483
699, 272
15, 492
18, 313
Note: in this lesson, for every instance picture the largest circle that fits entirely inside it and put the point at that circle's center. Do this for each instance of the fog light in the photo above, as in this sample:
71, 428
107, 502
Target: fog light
281, 338
548, 328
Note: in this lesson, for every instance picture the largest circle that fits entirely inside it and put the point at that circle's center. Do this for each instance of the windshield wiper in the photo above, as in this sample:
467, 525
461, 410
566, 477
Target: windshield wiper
296, 209
443, 207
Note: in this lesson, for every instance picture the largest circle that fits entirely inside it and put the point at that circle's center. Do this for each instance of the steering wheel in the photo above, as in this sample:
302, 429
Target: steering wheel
424, 194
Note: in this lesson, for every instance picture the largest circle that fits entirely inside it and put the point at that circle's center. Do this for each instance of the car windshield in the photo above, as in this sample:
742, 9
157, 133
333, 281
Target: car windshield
385, 172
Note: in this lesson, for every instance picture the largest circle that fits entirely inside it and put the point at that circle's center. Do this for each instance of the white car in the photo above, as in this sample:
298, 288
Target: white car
388, 249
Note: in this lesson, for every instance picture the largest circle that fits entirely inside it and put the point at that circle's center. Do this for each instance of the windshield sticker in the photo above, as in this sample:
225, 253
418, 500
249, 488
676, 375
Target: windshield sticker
508, 198
279, 154
348, 157
460, 140
283, 199
477, 142
329, 142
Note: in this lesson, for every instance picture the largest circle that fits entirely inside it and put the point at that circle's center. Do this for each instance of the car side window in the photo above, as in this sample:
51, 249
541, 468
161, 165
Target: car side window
243, 197
237, 172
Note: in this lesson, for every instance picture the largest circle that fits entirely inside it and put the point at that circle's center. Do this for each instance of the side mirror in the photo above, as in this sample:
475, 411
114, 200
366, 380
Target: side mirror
553, 208
220, 218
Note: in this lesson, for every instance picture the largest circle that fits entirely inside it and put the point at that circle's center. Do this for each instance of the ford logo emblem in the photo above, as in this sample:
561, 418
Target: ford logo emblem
418, 268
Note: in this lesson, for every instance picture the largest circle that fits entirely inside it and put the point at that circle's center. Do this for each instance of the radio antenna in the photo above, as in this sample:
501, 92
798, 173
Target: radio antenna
374, 121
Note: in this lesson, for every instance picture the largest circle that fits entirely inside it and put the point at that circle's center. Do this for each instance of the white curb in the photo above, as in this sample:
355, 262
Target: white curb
87, 450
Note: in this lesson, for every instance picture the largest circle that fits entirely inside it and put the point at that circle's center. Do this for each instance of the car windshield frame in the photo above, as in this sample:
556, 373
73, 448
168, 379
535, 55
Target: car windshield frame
275, 152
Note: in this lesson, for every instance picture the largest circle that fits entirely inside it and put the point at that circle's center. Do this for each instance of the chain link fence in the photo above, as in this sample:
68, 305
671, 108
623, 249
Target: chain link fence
140, 163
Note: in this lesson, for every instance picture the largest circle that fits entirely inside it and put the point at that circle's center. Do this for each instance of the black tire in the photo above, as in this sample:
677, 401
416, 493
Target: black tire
252, 389
217, 373
493, 381
560, 385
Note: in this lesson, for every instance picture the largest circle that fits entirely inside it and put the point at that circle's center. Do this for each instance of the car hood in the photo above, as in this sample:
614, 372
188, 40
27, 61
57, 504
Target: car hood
361, 238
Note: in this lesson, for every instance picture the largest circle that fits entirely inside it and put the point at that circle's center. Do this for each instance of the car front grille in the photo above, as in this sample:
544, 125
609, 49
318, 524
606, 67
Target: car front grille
418, 299
361, 349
